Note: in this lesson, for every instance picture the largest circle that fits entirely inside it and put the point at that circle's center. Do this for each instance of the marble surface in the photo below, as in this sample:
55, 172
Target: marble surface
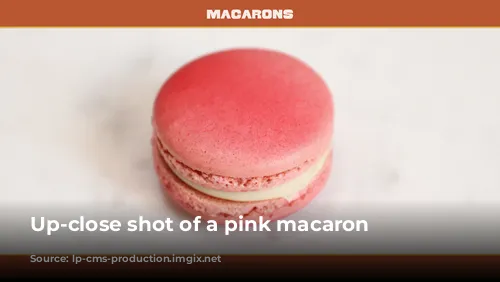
417, 120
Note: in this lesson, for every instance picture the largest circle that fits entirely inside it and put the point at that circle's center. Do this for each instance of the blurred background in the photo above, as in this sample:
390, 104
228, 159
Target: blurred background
417, 119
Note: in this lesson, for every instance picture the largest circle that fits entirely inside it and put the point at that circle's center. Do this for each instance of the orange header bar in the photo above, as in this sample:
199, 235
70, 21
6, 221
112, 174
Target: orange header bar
298, 13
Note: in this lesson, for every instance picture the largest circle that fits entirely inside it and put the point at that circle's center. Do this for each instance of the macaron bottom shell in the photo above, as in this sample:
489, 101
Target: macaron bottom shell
220, 210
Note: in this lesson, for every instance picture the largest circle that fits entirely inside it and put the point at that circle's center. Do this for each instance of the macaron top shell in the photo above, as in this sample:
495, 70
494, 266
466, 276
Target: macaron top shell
244, 113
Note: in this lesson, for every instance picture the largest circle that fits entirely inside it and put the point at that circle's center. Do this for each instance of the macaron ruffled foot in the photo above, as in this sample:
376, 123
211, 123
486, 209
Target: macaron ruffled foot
243, 132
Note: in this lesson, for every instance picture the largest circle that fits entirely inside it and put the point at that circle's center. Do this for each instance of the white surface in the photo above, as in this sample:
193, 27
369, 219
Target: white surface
417, 111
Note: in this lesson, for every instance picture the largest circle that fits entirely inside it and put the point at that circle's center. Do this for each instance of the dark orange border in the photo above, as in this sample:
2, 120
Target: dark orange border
307, 13
333, 266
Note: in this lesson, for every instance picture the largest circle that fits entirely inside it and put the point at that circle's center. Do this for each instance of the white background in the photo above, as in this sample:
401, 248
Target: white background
417, 112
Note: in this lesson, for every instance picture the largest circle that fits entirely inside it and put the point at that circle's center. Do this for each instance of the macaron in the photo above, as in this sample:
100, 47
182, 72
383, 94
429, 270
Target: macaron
243, 132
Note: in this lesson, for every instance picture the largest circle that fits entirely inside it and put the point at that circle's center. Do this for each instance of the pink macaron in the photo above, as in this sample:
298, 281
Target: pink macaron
243, 132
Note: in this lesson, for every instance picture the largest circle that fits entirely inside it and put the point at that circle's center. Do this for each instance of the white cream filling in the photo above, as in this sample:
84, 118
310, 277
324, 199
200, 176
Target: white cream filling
288, 190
